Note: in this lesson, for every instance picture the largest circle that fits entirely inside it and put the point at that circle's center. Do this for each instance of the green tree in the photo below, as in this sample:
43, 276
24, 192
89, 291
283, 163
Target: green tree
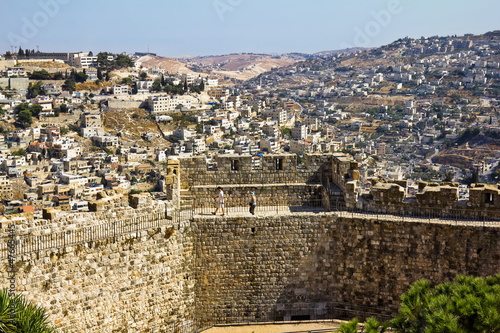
21, 107
199, 128
371, 325
69, 84
286, 132
99, 74
123, 61
25, 118
126, 80
35, 109
58, 76
28, 318
64, 108
40, 75
156, 86
19, 152
81, 77
349, 327
103, 62
466, 305
64, 130
35, 90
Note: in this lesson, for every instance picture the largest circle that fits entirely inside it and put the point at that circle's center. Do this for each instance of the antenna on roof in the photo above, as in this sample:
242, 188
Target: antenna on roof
37, 49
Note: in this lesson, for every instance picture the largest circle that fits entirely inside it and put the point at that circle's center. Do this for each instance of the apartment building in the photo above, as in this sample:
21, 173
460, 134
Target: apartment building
166, 103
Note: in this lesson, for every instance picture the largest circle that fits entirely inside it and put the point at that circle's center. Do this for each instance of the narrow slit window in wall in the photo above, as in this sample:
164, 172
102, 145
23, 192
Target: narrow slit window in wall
235, 165
279, 164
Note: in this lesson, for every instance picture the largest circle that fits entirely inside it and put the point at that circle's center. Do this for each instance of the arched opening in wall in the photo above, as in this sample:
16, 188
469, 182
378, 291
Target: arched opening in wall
300, 317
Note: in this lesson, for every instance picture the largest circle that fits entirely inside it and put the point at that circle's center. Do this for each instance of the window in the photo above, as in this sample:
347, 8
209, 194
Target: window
279, 164
488, 198
235, 165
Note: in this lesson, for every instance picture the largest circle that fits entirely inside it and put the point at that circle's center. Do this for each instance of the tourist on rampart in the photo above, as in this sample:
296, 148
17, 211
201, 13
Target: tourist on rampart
253, 203
219, 199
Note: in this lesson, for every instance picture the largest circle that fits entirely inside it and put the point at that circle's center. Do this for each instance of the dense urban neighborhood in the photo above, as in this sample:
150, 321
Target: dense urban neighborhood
76, 124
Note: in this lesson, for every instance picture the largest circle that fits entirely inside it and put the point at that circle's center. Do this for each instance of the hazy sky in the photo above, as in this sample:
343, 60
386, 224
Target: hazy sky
208, 27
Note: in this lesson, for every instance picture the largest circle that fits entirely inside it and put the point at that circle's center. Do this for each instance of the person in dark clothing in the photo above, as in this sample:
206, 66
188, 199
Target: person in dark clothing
253, 203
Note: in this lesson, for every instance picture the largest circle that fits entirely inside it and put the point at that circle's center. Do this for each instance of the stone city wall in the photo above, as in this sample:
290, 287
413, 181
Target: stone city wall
320, 266
134, 268
122, 269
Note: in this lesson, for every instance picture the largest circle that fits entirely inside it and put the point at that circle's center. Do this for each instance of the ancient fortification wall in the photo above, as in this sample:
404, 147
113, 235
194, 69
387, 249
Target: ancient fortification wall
134, 264
313, 266
142, 270
122, 269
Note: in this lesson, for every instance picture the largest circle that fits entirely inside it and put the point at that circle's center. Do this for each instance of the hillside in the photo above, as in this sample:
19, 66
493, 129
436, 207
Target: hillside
170, 65
476, 149
131, 125
242, 66
234, 66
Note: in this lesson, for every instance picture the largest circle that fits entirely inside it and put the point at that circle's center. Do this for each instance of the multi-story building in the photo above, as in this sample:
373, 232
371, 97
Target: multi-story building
278, 115
91, 125
52, 89
105, 141
166, 103
120, 89
82, 60
299, 132
15, 71
5, 188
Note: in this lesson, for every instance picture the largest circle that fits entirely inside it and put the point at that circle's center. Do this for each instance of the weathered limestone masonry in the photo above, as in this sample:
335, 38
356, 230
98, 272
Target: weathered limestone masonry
277, 180
124, 268
134, 264
309, 266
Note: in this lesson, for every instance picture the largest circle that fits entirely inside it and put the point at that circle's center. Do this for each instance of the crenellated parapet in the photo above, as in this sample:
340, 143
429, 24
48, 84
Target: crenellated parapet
484, 196
433, 199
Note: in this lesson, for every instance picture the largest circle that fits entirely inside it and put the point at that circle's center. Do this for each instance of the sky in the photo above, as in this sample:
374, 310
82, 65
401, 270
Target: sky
214, 27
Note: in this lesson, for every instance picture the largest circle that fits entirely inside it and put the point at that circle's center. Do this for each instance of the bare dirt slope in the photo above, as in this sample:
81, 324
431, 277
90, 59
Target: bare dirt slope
237, 66
242, 66
170, 65
131, 124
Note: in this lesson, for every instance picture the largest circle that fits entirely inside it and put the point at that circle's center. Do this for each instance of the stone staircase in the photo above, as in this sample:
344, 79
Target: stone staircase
185, 199
336, 196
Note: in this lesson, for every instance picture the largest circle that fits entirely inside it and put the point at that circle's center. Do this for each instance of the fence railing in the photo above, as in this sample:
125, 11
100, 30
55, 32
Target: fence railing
431, 215
329, 311
449, 216
242, 206
134, 226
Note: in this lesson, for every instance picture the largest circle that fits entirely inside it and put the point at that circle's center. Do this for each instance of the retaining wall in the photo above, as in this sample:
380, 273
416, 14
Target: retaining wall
142, 271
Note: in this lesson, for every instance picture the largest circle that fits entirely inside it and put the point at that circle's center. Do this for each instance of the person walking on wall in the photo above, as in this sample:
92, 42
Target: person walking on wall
253, 203
219, 201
